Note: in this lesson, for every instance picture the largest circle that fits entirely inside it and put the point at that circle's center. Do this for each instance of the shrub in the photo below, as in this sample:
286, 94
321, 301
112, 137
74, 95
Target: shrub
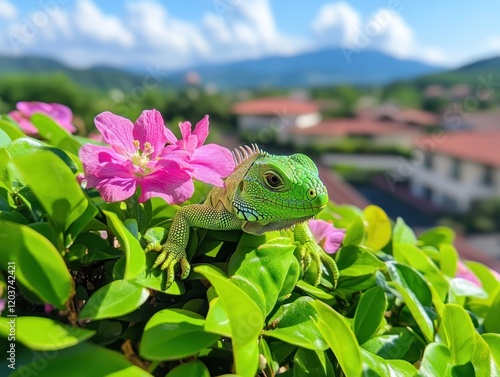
87, 302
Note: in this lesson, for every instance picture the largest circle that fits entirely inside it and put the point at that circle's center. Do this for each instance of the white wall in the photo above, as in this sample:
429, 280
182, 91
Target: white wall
445, 188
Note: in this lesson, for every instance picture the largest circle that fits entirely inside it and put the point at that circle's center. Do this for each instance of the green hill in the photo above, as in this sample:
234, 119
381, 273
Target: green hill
95, 77
470, 74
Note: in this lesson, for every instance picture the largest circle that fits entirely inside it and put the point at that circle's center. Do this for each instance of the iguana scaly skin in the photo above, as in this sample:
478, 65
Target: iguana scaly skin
264, 193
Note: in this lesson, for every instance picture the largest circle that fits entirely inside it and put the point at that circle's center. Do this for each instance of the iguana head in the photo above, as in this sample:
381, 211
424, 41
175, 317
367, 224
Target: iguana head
278, 189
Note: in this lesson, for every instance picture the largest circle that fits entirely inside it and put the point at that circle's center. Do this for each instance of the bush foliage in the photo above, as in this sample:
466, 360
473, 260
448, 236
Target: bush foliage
88, 303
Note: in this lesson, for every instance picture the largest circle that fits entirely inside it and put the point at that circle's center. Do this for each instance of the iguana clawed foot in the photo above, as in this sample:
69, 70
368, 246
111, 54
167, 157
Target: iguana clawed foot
171, 254
311, 251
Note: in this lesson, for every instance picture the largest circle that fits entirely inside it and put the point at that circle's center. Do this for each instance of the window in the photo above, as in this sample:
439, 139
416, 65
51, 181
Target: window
428, 161
455, 169
488, 176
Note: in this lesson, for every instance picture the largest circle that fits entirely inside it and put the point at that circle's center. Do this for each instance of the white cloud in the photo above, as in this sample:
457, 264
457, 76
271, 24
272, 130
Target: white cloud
337, 23
493, 43
158, 30
247, 30
7, 10
83, 34
92, 22
390, 33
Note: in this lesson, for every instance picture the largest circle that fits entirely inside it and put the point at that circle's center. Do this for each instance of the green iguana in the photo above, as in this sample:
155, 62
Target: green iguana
264, 193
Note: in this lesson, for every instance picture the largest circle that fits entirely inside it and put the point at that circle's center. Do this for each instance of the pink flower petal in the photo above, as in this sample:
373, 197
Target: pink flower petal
95, 158
185, 128
117, 132
170, 136
29, 108
115, 182
211, 163
149, 127
63, 115
465, 273
173, 184
60, 113
329, 237
115, 189
201, 130
24, 122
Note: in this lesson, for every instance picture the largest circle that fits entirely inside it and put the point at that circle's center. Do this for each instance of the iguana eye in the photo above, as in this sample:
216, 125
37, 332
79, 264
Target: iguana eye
273, 180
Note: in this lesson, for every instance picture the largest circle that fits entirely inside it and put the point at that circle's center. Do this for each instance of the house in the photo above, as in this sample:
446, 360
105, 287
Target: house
379, 133
412, 117
299, 122
276, 114
462, 167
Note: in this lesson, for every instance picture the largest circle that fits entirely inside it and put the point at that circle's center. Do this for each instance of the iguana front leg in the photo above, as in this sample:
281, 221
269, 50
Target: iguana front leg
310, 249
173, 251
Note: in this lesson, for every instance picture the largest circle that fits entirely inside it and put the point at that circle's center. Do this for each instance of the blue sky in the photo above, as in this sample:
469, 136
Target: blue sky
174, 34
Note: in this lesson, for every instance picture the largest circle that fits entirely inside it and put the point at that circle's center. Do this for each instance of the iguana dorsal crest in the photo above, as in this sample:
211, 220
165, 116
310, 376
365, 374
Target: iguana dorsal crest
245, 152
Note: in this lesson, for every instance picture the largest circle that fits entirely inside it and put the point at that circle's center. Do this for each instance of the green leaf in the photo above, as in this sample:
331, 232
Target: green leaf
5, 140
44, 334
191, 369
378, 231
448, 259
484, 274
115, 299
55, 187
492, 319
48, 129
245, 318
149, 278
13, 131
436, 361
457, 332
74, 362
26, 146
437, 236
493, 342
374, 365
403, 233
38, 265
135, 258
416, 294
355, 261
217, 321
482, 359
369, 313
416, 258
307, 363
255, 262
340, 338
294, 323
390, 346
173, 334
355, 233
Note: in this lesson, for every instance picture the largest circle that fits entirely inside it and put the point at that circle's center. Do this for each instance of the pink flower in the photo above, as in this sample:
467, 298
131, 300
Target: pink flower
327, 236
465, 273
61, 114
210, 162
135, 159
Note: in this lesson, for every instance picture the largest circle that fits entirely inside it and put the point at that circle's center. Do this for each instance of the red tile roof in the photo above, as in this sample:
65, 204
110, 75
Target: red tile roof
354, 126
275, 106
482, 147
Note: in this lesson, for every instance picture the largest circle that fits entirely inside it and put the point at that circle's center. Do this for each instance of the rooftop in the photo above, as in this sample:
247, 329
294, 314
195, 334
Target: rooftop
353, 126
275, 106
477, 146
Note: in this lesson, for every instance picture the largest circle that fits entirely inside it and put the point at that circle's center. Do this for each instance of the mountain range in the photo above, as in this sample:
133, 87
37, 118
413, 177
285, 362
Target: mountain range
315, 68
